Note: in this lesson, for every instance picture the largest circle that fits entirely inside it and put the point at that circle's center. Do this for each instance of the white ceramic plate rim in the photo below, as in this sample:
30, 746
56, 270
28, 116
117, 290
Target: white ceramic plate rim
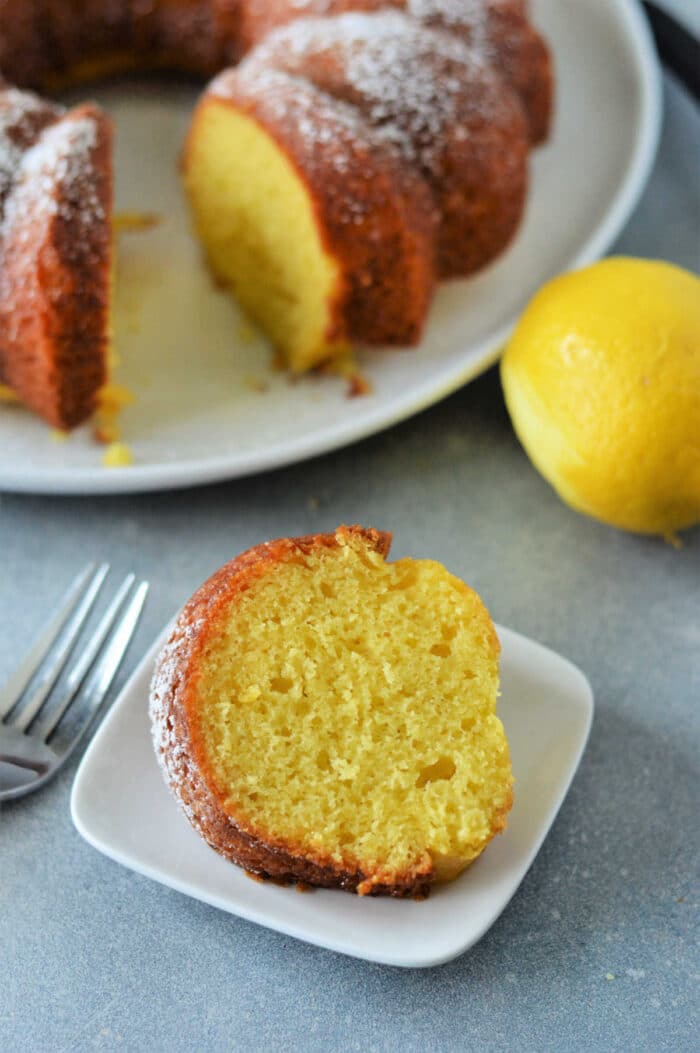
199, 471
464, 937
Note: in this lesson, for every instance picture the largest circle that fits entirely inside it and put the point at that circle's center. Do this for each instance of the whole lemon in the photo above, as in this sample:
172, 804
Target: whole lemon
602, 382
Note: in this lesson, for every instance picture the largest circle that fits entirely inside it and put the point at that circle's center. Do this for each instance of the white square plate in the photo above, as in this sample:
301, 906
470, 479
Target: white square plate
120, 804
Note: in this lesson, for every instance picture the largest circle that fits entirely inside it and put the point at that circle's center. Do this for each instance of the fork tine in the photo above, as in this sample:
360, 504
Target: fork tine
50, 674
106, 667
19, 680
46, 723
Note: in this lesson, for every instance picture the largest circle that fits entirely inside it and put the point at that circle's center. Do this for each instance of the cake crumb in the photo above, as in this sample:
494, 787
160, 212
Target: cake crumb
257, 384
106, 433
358, 385
111, 399
345, 365
7, 394
247, 333
57, 435
117, 455
134, 222
251, 693
610, 976
254, 877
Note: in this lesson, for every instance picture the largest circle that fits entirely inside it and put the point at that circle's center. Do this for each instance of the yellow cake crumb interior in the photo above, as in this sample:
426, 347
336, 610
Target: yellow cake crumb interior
348, 705
257, 224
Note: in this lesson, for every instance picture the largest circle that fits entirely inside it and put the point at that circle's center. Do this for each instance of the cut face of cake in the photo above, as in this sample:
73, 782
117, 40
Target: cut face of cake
326, 716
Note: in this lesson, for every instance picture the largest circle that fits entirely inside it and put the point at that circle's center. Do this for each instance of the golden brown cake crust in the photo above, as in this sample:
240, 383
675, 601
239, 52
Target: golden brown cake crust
500, 29
180, 753
450, 114
43, 42
55, 246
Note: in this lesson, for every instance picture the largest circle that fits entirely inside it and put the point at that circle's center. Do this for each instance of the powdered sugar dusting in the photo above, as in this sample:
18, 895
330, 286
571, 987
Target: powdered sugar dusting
179, 767
165, 680
22, 115
320, 120
316, 6
470, 18
412, 83
50, 177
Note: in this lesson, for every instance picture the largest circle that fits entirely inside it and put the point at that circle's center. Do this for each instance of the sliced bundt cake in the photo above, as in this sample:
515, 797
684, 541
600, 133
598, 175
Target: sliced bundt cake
324, 234
346, 164
500, 30
55, 254
450, 114
46, 44
323, 715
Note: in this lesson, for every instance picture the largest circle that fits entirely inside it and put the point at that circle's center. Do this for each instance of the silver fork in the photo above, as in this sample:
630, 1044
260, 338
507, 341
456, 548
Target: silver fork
39, 730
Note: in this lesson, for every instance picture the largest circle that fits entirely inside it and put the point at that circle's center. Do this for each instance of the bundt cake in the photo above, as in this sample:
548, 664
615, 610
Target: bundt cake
45, 43
259, 162
447, 111
324, 716
319, 262
55, 249
343, 167
498, 29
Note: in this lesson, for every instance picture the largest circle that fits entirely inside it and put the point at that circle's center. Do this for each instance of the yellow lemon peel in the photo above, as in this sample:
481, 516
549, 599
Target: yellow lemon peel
602, 382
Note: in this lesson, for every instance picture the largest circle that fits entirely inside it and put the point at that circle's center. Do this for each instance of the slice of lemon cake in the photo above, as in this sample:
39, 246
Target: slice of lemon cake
325, 716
